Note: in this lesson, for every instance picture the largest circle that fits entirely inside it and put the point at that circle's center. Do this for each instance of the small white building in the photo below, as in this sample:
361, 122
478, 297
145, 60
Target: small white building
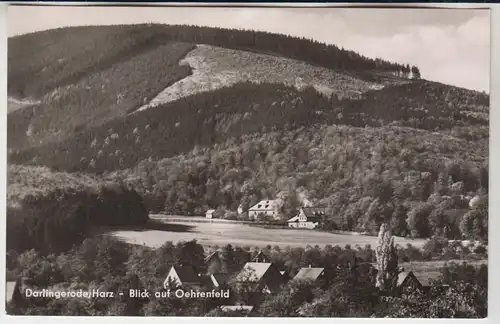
308, 217
210, 213
267, 208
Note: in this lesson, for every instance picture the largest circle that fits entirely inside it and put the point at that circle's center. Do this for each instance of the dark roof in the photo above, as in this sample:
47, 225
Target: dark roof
309, 273
262, 256
206, 281
403, 276
221, 278
313, 211
187, 274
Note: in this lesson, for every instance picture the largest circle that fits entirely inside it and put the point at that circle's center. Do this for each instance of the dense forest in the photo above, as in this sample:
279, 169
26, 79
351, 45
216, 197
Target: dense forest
113, 266
362, 176
54, 216
208, 118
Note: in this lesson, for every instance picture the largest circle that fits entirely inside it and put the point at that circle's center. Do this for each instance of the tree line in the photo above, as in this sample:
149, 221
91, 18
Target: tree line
55, 221
114, 266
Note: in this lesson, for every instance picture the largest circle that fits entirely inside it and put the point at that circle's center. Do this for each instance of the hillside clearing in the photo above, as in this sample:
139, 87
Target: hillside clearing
219, 233
215, 67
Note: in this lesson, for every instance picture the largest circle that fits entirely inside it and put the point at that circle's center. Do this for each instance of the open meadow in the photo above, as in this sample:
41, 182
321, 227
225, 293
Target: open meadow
222, 233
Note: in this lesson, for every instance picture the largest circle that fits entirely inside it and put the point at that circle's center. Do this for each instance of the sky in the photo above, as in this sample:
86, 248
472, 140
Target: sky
451, 46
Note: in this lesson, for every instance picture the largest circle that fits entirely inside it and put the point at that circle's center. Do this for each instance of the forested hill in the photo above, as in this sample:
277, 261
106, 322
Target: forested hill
209, 118
62, 56
361, 136
81, 77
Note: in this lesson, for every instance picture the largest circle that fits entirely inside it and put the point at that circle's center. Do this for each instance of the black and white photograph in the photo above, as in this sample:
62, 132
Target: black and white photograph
246, 161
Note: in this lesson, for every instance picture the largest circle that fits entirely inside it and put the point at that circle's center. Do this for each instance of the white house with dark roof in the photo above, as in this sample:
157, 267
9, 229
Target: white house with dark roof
267, 208
182, 276
308, 217
260, 277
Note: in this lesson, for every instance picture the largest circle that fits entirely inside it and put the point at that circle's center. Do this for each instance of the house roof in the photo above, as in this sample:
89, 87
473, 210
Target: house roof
220, 278
10, 287
293, 219
268, 205
187, 274
313, 211
261, 255
253, 271
313, 219
234, 308
309, 273
210, 211
404, 275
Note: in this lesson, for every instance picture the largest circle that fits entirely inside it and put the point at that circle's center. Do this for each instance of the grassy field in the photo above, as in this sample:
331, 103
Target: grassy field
221, 233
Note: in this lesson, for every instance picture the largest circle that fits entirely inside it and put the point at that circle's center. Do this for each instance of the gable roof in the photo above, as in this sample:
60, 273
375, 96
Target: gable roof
262, 256
187, 274
313, 211
309, 273
405, 275
10, 288
268, 205
253, 271
220, 279
293, 219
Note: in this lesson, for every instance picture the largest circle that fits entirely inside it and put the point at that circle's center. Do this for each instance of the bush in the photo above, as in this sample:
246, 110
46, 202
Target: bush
435, 245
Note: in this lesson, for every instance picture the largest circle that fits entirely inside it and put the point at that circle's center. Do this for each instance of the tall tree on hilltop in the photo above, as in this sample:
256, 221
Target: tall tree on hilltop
387, 260
415, 72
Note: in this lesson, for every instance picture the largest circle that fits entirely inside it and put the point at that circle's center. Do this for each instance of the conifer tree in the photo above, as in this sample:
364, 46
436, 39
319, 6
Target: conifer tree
387, 260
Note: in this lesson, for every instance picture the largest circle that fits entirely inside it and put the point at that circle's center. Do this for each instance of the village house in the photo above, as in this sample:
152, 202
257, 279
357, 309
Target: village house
211, 213
308, 217
14, 292
285, 275
266, 208
407, 282
183, 277
261, 257
259, 277
313, 274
